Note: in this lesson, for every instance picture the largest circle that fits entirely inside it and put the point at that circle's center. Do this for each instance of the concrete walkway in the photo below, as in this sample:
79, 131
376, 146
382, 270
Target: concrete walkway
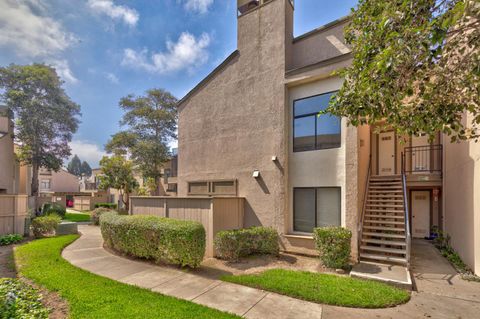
199, 286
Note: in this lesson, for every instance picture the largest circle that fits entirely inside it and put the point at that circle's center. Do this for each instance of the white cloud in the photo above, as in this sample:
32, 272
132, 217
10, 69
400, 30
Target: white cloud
187, 53
64, 71
117, 12
26, 28
112, 78
199, 6
87, 151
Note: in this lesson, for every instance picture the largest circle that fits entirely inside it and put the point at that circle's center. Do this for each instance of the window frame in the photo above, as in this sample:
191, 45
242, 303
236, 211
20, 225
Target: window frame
315, 188
210, 187
316, 124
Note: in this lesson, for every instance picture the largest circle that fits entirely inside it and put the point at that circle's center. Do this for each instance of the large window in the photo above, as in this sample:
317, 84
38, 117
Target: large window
313, 132
316, 207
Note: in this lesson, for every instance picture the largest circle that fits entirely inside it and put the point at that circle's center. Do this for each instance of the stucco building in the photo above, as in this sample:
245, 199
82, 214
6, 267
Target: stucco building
251, 129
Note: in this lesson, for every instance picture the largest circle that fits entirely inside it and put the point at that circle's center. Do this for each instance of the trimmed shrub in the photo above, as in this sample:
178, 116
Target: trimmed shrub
165, 240
45, 226
106, 205
233, 244
97, 212
53, 208
18, 300
333, 244
10, 239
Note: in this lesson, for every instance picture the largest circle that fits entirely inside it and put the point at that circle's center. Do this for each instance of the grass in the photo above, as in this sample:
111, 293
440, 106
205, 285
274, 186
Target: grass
91, 296
77, 217
324, 288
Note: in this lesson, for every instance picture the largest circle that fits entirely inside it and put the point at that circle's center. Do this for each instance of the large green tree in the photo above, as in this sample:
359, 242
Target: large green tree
86, 169
117, 173
416, 65
150, 123
75, 166
46, 118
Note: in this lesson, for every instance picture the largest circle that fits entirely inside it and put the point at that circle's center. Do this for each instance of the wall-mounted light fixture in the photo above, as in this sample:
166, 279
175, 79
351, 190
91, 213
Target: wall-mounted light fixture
3, 134
274, 158
256, 173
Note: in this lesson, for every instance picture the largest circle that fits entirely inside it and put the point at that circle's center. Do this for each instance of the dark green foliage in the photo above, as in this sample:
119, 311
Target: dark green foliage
45, 226
10, 239
166, 240
20, 301
233, 244
86, 169
442, 242
53, 208
106, 205
325, 288
75, 166
97, 212
94, 297
333, 244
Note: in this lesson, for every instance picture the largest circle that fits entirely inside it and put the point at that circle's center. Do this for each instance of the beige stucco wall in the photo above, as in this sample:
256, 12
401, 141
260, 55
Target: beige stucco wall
237, 122
61, 181
7, 158
462, 199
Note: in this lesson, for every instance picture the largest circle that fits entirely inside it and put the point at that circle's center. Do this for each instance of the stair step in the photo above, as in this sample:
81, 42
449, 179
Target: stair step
378, 177
385, 201
385, 191
384, 250
383, 235
383, 228
373, 187
399, 211
385, 196
386, 183
386, 222
384, 242
385, 258
385, 206
386, 216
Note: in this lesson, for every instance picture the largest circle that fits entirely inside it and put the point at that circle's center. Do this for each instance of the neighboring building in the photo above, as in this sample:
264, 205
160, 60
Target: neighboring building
57, 182
8, 163
250, 129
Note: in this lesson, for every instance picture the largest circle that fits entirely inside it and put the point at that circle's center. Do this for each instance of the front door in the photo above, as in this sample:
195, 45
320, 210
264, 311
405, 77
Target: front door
386, 153
420, 154
420, 214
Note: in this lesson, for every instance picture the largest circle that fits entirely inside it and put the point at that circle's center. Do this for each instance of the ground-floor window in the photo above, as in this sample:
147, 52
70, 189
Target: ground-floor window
316, 207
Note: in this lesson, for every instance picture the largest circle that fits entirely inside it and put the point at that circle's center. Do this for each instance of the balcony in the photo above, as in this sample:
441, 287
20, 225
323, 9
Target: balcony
423, 163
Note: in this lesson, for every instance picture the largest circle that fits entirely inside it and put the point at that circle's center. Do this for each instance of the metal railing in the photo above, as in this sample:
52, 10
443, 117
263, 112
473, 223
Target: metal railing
408, 235
365, 194
423, 159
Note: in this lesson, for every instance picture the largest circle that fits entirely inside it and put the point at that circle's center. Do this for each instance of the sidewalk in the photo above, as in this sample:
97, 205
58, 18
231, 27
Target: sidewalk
197, 286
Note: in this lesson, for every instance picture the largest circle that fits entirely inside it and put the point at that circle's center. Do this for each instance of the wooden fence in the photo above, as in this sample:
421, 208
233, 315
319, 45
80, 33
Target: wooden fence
215, 214
13, 211
83, 203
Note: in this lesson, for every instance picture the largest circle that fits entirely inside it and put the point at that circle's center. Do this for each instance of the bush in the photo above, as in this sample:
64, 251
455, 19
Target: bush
106, 205
45, 226
233, 244
10, 239
166, 240
18, 300
333, 244
53, 208
97, 212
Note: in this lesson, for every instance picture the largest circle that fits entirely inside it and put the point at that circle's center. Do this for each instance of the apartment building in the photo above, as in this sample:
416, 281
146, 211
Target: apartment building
251, 129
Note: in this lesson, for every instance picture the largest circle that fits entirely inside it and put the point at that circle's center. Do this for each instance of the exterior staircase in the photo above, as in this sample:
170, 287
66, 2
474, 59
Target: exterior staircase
385, 235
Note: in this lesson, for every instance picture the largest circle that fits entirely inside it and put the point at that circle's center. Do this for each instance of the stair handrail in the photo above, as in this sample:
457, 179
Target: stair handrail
364, 208
407, 214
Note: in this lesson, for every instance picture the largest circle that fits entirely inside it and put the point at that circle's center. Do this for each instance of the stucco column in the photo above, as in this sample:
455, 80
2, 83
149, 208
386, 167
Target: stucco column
351, 186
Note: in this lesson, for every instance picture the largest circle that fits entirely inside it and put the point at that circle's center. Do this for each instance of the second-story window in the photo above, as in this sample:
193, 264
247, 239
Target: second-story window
313, 132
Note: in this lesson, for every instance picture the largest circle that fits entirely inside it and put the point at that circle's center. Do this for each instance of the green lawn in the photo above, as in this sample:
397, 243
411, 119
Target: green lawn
91, 296
77, 217
324, 288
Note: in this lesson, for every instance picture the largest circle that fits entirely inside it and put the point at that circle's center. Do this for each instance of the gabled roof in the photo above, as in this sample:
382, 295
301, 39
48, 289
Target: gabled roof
210, 76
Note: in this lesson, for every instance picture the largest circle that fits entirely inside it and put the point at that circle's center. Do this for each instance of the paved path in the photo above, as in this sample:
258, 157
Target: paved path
6, 267
200, 286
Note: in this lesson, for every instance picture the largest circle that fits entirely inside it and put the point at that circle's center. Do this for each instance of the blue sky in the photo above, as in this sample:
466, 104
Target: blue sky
106, 49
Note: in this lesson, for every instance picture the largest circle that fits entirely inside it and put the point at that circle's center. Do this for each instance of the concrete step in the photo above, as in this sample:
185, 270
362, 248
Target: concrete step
384, 242
385, 187
399, 251
383, 235
383, 228
386, 183
385, 222
385, 216
397, 260
395, 275
385, 196
399, 211
384, 191
384, 201
385, 205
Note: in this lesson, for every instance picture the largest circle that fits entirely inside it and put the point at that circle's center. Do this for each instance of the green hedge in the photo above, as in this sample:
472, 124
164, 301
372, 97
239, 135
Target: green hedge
333, 244
53, 208
18, 300
233, 244
106, 205
45, 226
10, 239
162, 239
97, 212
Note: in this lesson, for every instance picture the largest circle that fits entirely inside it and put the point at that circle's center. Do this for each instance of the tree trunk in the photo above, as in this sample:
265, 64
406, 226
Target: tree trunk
34, 185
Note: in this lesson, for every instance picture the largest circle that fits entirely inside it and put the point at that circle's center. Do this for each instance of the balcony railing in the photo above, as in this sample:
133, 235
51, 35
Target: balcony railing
425, 159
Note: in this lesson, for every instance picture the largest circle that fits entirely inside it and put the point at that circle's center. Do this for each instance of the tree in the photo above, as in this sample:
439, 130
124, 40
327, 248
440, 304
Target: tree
75, 166
416, 65
46, 118
86, 169
151, 122
117, 173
